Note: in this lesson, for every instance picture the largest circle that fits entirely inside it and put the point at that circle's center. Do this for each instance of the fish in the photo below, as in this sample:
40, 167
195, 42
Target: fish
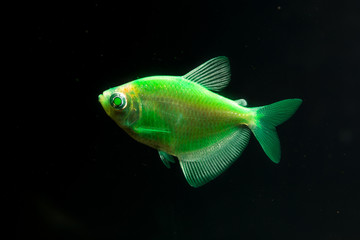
184, 117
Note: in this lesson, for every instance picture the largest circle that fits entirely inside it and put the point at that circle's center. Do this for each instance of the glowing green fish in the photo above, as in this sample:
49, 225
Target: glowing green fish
181, 116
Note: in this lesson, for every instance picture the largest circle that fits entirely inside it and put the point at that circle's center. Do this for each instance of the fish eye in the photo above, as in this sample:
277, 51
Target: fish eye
118, 101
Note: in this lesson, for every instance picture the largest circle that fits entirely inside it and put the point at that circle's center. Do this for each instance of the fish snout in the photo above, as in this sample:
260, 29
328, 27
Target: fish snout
101, 98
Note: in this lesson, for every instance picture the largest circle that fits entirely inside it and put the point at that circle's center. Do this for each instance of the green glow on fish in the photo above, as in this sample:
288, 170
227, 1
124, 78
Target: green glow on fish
182, 116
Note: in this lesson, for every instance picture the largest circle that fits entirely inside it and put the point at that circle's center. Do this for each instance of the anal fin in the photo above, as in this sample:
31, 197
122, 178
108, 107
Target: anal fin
203, 165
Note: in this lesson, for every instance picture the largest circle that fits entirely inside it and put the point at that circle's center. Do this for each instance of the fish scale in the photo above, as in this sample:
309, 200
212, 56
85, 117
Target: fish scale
198, 122
182, 116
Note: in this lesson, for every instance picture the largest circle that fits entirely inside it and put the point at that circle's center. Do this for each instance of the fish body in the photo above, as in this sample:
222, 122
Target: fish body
182, 116
177, 115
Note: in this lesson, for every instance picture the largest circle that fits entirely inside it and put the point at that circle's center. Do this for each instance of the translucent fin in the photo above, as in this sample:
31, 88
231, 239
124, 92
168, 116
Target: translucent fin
166, 158
202, 166
241, 102
213, 74
267, 118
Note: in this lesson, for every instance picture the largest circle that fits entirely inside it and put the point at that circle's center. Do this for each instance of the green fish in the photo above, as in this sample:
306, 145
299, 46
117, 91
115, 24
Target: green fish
182, 116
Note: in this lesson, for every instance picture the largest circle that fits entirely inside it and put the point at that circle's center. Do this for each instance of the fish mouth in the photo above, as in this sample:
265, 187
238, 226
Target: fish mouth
101, 98
104, 103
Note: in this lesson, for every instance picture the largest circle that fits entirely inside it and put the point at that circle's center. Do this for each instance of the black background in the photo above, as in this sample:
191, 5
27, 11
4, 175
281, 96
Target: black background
75, 175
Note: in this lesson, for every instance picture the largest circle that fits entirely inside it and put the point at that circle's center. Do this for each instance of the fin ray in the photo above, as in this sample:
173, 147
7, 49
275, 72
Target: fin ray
202, 166
213, 74
267, 118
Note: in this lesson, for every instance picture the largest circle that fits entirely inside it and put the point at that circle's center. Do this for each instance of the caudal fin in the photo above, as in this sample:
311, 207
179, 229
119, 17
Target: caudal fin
267, 118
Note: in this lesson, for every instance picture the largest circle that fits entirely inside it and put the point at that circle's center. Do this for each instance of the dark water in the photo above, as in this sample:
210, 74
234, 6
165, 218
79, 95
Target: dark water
75, 175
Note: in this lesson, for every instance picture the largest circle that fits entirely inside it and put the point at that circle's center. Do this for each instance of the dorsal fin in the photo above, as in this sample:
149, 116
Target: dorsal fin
213, 74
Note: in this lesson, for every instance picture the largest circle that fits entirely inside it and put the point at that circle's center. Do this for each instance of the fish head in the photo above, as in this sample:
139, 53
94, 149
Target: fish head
121, 105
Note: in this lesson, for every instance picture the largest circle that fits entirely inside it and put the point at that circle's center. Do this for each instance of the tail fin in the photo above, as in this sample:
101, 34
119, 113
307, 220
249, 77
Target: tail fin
266, 119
